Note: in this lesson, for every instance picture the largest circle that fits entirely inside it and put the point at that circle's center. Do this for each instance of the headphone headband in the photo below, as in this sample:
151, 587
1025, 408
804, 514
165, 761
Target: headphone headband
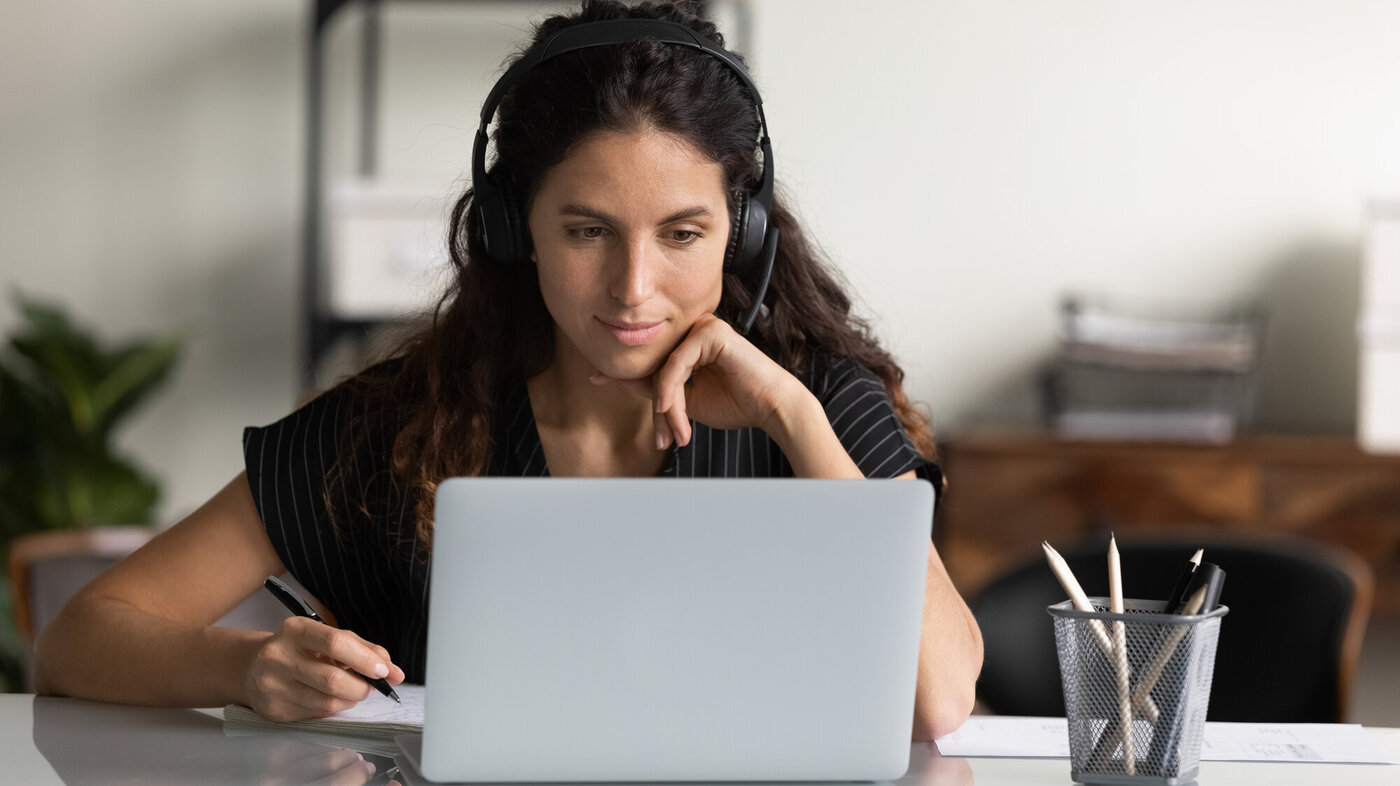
622, 31
617, 31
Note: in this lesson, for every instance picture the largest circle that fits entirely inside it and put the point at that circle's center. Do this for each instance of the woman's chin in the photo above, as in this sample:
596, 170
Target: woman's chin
633, 364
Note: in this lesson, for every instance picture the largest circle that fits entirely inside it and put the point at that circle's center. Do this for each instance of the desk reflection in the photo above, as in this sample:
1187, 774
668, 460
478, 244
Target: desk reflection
928, 767
92, 743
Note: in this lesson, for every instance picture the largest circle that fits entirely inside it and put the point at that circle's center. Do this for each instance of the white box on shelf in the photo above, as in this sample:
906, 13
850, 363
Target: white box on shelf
386, 248
1380, 267
1378, 405
1378, 331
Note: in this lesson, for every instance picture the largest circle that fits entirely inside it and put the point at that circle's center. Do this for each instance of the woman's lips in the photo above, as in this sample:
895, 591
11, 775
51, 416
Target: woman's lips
632, 334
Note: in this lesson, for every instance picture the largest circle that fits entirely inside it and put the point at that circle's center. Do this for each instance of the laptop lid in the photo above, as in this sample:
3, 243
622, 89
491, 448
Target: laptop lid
662, 630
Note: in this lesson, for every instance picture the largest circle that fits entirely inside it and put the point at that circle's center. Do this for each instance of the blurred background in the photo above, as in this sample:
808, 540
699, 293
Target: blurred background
968, 165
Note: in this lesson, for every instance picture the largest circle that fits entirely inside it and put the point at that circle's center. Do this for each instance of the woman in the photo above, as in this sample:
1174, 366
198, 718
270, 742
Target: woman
602, 265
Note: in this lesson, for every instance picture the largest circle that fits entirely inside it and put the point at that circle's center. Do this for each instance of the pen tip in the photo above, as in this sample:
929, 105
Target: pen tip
1196, 558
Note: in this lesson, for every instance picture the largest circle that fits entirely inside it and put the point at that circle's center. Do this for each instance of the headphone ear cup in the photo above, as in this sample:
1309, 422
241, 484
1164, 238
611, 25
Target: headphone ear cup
733, 258
491, 222
754, 234
498, 218
518, 252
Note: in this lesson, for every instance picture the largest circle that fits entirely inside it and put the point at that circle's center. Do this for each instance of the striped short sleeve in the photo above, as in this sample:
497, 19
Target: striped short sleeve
865, 421
286, 464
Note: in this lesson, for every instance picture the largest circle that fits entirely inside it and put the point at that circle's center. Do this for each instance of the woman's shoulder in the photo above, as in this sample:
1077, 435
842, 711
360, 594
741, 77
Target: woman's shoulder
829, 375
361, 396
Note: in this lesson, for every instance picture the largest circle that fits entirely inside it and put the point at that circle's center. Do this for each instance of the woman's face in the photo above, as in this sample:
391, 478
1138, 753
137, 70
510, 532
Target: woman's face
629, 235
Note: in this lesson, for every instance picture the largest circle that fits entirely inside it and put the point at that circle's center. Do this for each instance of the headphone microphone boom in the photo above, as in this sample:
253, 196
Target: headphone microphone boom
753, 241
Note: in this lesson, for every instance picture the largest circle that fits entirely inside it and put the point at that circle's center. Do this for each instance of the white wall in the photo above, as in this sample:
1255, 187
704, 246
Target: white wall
969, 161
965, 162
150, 180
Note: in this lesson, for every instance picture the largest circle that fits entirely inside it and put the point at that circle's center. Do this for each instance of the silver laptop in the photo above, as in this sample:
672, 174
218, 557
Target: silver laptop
674, 630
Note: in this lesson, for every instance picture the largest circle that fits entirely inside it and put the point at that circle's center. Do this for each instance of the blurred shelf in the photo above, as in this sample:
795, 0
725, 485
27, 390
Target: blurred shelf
1009, 490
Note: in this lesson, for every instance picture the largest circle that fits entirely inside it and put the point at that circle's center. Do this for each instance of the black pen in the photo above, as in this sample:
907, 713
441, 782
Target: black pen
1208, 577
1178, 595
301, 608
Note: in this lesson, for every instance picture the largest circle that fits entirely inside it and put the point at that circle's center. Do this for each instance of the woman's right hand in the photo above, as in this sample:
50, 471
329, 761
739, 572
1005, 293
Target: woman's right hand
305, 670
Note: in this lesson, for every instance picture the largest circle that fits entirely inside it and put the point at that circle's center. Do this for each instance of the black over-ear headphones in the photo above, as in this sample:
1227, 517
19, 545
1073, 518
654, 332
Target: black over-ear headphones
753, 243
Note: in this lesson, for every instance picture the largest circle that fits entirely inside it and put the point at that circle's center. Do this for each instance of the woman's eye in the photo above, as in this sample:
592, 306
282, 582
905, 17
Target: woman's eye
590, 233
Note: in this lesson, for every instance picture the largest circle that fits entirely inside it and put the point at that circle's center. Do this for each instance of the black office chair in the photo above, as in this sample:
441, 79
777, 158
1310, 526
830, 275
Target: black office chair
1288, 647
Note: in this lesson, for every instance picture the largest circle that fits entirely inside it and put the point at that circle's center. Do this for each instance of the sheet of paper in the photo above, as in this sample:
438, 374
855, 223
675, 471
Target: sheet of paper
380, 709
1005, 735
1332, 742
994, 736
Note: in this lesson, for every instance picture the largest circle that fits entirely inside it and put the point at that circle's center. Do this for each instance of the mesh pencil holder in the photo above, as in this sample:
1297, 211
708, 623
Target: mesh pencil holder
1136, 687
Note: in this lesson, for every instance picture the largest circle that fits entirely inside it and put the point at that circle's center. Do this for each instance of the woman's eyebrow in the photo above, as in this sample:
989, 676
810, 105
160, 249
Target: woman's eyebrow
696, 211
586, 212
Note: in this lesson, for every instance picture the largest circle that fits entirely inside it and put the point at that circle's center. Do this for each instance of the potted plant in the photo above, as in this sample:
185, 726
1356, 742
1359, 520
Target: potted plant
62, 394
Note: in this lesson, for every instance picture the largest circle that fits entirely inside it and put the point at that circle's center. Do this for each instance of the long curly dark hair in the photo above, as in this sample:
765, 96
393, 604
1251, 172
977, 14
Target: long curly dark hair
491, 329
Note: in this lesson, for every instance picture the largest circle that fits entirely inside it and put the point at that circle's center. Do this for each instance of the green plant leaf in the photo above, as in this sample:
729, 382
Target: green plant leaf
134, 372
61, 394
66, 361
103, 490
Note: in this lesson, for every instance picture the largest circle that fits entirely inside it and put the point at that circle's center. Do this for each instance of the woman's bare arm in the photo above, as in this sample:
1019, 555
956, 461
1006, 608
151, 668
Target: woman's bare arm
950, 657
141, 632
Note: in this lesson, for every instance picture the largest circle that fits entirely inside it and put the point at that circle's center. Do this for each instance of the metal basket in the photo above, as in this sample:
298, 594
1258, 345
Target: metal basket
1155, 670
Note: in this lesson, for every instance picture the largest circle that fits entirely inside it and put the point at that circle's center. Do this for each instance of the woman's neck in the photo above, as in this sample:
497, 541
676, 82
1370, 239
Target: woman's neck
591, 430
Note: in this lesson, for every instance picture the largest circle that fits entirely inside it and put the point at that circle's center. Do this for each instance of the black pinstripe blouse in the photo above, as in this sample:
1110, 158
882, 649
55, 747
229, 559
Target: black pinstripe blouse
365, 569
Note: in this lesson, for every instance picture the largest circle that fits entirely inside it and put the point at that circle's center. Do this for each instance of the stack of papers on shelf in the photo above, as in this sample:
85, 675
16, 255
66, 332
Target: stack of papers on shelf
368, 727
1093, 336
1204, 426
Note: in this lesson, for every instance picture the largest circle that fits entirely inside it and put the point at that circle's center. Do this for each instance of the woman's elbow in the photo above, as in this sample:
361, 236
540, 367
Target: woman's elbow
59, 647
47, 669
944, 715
950, 700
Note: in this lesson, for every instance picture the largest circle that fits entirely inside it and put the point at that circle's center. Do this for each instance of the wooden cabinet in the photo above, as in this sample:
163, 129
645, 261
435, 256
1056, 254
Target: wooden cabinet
1009, 490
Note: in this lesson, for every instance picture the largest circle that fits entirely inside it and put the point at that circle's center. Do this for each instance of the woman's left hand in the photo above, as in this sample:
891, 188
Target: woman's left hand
716, 377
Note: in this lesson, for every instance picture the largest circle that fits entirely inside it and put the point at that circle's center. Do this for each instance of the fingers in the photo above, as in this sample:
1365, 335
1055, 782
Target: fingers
664, 435
309, 669
345, 648
676, 418
699, 349
695, 351
290, 700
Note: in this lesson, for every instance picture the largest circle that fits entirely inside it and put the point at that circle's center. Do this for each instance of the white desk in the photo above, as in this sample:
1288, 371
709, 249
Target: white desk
69, 741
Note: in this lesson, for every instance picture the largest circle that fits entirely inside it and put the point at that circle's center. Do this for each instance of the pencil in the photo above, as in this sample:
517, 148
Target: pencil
1076, 593
1120, 651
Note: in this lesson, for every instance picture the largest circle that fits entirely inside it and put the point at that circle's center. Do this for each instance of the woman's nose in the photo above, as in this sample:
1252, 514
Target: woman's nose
634, 277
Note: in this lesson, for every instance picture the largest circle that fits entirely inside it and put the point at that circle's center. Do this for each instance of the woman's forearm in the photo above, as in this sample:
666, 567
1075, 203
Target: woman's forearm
106, 649
950, 657
802, 431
